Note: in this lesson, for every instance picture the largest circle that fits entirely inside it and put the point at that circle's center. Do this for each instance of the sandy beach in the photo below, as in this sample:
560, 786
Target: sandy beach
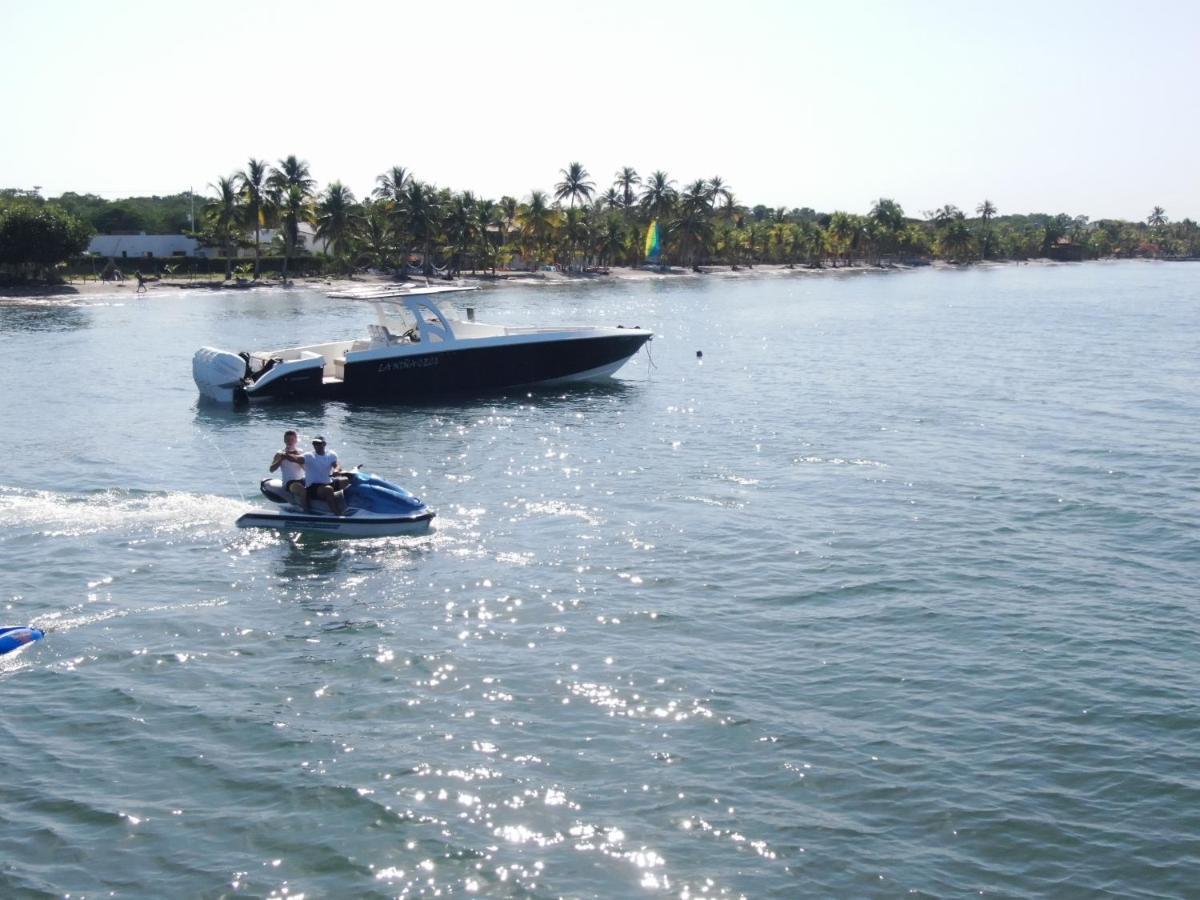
364, 281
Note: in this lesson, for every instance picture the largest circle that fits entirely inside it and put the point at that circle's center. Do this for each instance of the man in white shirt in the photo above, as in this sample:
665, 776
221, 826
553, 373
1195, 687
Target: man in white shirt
291, 461
319, 468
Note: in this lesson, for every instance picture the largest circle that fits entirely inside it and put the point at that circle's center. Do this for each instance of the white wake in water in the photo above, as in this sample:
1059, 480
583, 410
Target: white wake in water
60, 514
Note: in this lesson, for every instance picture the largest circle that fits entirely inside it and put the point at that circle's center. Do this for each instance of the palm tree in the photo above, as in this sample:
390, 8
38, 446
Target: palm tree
536, 219
1157, 217
627, 179
611, 199
487, 217
659, 195
378, 239
730, 210
460, 229
509, 208
717, 188
695, 197
294, 206
290, 188
575, 184
223, 216
293, 171
610, 240
252, 181
422, 207
944, 214
887, 222
338, 218
889, 213
693, 230
955, 240
391, 184
844, 229
576, 231
986, 210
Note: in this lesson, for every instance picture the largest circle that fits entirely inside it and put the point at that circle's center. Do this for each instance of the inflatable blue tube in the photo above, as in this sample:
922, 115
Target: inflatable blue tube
17, 637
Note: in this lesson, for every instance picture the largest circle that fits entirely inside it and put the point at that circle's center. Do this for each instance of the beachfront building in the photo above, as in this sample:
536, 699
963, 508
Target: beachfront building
308, 241
157, 246
142, 246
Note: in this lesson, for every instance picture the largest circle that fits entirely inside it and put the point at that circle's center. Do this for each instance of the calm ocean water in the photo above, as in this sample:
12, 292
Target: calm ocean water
892, 593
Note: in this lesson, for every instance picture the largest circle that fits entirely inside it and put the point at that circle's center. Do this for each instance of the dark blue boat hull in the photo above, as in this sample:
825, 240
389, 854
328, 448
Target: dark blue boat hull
416, 377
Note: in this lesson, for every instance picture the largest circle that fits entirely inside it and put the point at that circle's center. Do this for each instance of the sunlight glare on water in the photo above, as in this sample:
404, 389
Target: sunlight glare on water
892, 590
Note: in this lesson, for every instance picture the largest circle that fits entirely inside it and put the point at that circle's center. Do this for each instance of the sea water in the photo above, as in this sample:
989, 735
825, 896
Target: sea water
891, 591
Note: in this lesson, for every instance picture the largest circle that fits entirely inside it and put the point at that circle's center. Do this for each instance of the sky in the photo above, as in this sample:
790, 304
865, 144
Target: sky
1084, 108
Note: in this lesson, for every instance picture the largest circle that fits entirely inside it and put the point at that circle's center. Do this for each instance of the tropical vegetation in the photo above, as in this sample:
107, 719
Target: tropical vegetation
588, 222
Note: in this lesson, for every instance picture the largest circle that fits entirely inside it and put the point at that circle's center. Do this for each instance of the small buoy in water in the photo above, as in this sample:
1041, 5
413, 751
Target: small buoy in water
699, 354
16, 637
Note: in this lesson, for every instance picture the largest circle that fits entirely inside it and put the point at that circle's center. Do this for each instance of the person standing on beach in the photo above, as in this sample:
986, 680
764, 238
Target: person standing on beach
291, 461
319, 468
141, 281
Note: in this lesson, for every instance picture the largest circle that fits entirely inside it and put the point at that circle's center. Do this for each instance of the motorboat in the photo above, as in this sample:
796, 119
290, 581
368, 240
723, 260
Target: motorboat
417, 351
374, 508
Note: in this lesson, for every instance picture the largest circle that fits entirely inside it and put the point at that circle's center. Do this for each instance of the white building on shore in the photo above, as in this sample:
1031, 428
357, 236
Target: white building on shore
157, 246
141, 246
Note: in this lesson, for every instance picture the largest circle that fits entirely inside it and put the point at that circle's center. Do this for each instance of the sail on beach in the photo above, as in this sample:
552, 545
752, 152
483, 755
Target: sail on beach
653, 248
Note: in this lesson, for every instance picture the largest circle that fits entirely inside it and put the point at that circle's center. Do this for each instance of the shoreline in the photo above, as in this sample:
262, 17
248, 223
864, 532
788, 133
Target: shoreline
615, 274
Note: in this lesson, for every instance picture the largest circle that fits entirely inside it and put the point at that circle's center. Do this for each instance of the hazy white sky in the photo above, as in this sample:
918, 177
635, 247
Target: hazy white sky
1086, 107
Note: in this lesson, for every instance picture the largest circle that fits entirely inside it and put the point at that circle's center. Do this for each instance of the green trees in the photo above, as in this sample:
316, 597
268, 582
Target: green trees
290, 188
252, 182
692, 227
574, 223
842, 235
376, 243
986, 211
574, 185
35, 239
337, 218
626, 182
886, 222
536, 219
224, 218
391, 184
658, 195
422, 207
954, 240
153, 215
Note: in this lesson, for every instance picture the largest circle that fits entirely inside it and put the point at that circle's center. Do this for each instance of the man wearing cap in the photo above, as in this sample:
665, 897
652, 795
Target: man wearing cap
319, 469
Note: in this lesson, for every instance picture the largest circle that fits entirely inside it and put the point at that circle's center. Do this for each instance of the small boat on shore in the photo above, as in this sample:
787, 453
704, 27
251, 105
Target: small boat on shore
374, 508
416, 352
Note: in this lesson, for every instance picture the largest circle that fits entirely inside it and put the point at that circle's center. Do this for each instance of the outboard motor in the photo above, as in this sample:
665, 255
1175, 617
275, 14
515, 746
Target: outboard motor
219, 375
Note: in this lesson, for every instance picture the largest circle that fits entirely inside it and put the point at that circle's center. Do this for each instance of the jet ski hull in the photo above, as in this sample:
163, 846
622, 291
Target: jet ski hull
355, 524
375, 508
16, 637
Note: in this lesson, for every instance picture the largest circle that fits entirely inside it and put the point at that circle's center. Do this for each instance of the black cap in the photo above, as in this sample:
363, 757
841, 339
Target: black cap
319, 439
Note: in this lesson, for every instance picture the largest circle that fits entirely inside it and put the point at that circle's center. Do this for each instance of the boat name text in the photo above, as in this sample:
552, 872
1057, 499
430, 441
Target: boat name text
397, 365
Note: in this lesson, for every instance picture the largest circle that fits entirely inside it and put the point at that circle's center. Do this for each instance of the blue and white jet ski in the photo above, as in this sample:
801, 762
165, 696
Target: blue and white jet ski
374, 508
17, 636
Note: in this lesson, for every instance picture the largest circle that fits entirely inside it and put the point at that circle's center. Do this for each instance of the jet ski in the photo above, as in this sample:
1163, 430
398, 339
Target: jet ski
17, 636
374, 508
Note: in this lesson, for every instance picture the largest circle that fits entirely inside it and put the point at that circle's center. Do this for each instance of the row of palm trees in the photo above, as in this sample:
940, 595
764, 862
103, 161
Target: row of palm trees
406, 221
